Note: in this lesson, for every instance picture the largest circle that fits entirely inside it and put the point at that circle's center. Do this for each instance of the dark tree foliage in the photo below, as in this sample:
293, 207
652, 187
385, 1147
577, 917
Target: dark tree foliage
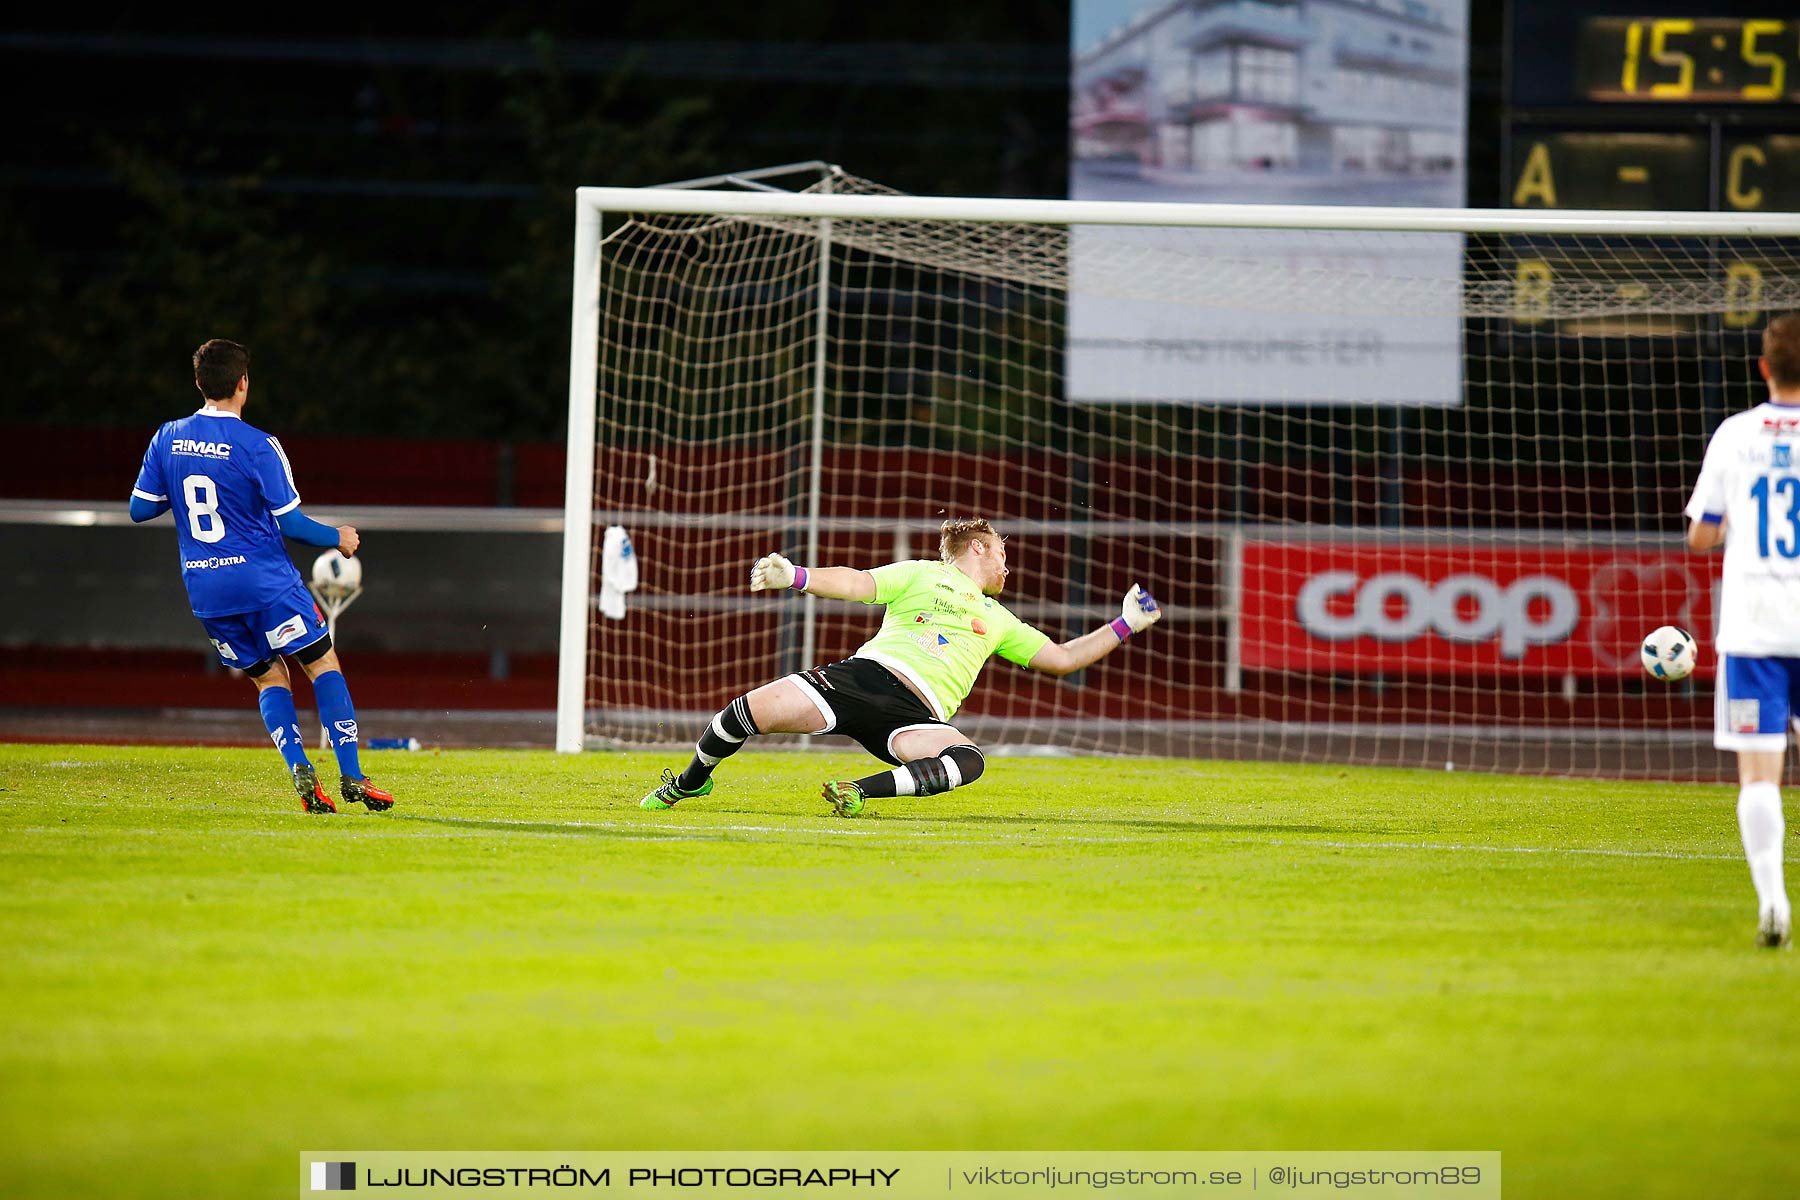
200, 256
391, 232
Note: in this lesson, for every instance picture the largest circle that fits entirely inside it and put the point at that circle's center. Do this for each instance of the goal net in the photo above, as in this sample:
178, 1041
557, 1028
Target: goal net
1407, 483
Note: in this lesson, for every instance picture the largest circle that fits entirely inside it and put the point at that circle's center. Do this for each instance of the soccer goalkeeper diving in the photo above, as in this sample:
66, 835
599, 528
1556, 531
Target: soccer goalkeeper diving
895, 696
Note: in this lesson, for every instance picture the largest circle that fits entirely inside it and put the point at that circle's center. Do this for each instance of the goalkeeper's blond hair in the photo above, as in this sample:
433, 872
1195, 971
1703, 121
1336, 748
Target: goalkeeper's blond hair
958, 534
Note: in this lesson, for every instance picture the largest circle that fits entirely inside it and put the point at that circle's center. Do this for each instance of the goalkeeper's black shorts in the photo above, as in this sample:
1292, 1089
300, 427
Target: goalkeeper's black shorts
866, 702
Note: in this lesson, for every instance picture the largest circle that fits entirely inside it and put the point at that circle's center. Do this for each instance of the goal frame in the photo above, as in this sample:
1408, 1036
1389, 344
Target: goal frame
695, 197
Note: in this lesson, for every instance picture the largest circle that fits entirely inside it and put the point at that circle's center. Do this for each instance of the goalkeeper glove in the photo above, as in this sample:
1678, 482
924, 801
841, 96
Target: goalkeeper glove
773, 572
1140, 613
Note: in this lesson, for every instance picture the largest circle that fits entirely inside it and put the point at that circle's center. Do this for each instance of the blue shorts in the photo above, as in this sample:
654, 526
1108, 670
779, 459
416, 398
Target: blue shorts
1754, 701
292, 622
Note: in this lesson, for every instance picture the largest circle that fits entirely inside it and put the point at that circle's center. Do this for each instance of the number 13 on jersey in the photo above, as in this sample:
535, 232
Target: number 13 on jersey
1782, 494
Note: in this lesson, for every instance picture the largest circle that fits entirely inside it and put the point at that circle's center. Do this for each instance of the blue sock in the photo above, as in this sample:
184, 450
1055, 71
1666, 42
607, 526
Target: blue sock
277, 704
339, 717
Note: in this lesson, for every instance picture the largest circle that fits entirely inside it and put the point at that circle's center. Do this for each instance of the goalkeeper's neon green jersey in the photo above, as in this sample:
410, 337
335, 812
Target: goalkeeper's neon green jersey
940, 630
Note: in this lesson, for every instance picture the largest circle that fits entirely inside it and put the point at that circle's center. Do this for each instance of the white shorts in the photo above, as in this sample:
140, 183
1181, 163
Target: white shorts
1754, 702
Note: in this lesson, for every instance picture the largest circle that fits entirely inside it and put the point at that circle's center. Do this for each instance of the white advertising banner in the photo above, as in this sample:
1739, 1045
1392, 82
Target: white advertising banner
1247, 101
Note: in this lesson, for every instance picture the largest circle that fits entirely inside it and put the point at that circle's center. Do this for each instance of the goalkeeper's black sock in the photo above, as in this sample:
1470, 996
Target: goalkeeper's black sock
723, 736
960, 764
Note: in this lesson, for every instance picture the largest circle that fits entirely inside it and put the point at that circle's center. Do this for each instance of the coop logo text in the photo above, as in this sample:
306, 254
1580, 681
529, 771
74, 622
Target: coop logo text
1398, 606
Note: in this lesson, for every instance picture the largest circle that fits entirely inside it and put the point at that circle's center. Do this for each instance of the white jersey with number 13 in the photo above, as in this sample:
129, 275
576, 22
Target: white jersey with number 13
1751, 480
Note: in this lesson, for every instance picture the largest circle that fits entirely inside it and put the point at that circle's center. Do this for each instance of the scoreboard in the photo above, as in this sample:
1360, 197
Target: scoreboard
1651, 105
1674, 60
1645, 104
1686, 170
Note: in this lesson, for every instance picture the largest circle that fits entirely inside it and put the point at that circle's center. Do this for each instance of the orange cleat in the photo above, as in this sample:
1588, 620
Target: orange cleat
361, 791
312, 795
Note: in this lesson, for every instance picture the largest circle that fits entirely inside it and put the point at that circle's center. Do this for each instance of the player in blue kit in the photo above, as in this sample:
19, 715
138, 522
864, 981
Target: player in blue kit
233, 495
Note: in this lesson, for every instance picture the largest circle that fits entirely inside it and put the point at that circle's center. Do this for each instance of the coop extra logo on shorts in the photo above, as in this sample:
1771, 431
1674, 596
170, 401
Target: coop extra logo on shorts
1363, 607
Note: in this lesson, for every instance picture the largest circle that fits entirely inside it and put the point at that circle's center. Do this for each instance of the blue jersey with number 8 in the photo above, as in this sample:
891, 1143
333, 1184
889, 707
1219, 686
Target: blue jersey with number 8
225, 482
1751, 482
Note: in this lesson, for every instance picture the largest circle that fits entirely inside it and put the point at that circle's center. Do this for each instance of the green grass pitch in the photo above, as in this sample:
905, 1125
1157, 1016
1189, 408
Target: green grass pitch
1082, 953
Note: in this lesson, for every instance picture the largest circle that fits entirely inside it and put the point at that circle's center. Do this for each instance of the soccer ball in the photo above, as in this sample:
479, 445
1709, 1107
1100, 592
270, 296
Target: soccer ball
1669, 653
335, 576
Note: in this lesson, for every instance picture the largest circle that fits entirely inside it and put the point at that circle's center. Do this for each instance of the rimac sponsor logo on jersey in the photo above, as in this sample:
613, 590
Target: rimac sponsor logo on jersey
199, 449
208, 564
286, 632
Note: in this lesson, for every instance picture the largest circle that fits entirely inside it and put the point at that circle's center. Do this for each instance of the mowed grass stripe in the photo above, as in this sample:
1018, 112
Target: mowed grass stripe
651, 831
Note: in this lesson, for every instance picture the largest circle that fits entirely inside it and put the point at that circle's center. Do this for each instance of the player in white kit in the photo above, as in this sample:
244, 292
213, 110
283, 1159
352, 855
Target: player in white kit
1748, 500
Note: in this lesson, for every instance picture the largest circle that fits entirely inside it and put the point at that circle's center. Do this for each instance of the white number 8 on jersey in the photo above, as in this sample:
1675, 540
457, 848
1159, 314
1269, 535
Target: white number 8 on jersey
204, 521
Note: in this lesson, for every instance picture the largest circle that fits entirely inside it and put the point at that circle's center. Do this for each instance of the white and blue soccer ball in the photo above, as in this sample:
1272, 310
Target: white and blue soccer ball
1669, 653
335, 576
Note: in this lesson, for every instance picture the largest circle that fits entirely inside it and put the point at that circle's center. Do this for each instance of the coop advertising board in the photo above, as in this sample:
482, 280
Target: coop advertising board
1354, 607
1233, 101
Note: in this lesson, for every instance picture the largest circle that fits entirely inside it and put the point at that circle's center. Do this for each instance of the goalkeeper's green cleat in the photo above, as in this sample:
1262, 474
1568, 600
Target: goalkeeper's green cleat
846, 799
668, 792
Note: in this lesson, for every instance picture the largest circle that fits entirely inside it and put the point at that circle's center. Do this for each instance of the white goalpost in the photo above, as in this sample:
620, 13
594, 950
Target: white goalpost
1407, 481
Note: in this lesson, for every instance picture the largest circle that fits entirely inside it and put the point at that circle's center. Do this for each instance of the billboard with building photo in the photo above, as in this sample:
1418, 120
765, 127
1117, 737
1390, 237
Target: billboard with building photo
1343, 102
